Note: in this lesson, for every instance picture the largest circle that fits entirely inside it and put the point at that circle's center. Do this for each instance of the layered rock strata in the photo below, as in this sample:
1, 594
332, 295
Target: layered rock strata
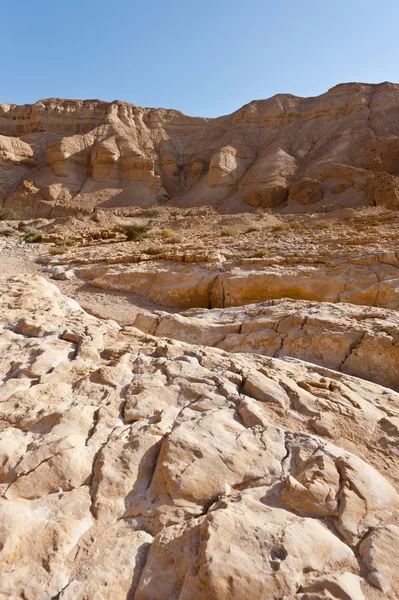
340, 148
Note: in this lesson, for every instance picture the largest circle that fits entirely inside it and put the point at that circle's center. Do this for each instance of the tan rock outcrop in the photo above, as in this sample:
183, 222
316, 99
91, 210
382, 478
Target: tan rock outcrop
366, 279
132, 466
353, 339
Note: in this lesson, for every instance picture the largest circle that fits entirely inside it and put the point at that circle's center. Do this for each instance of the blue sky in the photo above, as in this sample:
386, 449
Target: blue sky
202, 57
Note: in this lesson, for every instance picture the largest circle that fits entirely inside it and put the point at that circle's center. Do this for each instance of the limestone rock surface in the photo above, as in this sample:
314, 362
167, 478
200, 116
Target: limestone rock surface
358, 340
136, 466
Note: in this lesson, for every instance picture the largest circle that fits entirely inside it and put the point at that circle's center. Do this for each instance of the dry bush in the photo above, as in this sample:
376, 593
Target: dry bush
229, 233
174, 239
58, 250
154, 211
166, 233
65, 242
152, 250
321, 225
135, 233
8, 214
261, 252
8, 232
279, 228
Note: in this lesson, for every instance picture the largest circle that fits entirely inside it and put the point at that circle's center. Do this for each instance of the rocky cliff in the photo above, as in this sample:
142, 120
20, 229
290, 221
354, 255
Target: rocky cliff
285, 153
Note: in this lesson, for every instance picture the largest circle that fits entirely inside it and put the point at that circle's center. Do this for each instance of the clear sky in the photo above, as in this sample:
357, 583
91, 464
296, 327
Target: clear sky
203, 57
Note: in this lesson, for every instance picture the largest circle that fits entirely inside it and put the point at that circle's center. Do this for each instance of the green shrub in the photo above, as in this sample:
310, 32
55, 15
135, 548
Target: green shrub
135, 232
33, 237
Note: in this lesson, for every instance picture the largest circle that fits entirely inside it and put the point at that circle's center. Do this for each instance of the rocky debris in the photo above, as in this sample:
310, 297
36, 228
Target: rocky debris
60, 156
133, 466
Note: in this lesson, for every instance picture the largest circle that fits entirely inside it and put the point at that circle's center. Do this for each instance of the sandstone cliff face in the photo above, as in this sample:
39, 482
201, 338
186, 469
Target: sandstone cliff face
289, 153
133, 466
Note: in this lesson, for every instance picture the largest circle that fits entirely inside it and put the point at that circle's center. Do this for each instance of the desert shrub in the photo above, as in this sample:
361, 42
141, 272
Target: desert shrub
135, 232
249, 253
174, 239
33, 237
261, 252
322, 225
65, 242
279, 228
251, 229
8, 232
8, 214
228, 233
166, 233
59, 250
155, 211
152, 250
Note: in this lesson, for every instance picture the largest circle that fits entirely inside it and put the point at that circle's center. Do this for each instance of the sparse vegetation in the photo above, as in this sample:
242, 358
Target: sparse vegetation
8, 214
322, 225
154, 211
8, 232
135, 233
152, 250
251, 229
65, 242
170, 237
279, 228
228, 233
261, 253
58, 250
33, 237
174, 239
166, 233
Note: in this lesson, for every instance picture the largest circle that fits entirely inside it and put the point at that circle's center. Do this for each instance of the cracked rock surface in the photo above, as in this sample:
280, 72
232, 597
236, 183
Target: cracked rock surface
138, 466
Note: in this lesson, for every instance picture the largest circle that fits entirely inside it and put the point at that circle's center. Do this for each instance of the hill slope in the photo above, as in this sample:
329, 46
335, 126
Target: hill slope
287, 153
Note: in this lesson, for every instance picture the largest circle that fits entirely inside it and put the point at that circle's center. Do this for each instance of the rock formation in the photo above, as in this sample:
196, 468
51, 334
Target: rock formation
285, 153
218, 417
133, 466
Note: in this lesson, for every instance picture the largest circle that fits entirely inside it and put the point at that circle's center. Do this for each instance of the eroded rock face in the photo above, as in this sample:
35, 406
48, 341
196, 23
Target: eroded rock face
354, 339
81, 154
133, 466
182, 281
